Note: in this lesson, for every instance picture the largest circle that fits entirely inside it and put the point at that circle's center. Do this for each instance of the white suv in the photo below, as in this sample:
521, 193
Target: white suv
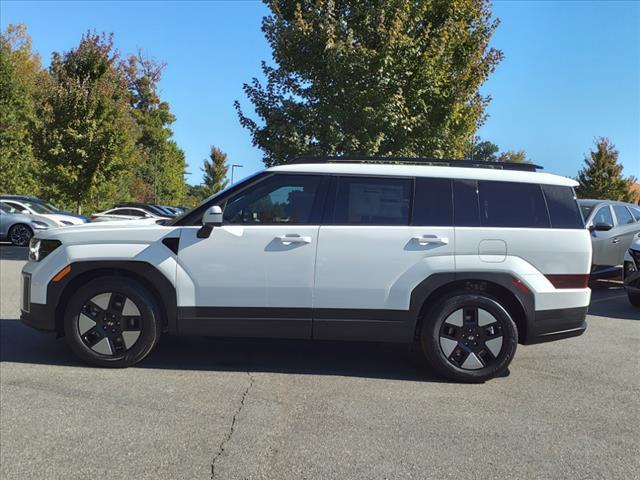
466, 262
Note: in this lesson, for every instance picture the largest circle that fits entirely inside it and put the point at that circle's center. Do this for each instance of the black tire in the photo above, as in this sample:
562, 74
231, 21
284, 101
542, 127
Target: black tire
477, 351
108, 324
634, 298
20, 234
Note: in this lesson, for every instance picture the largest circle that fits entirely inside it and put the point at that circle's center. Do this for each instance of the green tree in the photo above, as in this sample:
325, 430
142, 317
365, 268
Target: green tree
20, 73
87, 133
484, 151
514, 156
601, 176
382, 77
215, 171
159, 162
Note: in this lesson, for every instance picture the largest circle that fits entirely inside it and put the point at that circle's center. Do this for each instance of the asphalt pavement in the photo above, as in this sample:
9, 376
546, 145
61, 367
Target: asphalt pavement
201, 408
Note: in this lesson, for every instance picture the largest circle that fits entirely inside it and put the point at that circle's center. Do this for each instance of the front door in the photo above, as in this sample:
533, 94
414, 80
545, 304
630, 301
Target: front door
253, 276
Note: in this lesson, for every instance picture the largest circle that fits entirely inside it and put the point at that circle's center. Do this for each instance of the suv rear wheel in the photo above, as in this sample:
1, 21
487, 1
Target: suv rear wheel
112, 322
468, 337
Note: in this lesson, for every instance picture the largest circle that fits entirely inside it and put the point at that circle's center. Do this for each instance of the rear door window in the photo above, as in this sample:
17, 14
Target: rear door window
563, 207
512, 205
373, 201
635, 211
433, 202
623, 215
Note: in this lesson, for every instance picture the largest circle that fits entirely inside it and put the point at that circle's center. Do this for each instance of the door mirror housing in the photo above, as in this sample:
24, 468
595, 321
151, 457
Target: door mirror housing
601, 227
212, 217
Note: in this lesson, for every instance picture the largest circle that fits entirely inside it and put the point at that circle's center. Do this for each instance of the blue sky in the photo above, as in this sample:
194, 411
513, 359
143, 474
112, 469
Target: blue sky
571, 71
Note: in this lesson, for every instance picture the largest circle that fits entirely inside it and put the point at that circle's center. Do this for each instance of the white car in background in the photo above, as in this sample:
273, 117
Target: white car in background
41, 213
124, 213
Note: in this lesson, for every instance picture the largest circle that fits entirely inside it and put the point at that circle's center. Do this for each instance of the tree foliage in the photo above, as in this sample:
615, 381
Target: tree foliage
601, 176
215, 171
20, 74
87, 136
379, 77
159, 162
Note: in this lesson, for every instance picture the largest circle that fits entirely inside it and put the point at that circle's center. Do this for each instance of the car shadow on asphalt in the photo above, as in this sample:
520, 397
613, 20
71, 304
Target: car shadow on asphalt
21, 344
609, 299
9, 252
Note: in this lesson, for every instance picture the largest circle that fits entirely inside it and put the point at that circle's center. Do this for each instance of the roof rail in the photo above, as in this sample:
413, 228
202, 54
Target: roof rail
527, 167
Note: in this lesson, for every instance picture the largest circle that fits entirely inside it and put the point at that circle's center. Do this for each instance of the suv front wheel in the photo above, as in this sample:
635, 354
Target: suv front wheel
468, 337
112, 322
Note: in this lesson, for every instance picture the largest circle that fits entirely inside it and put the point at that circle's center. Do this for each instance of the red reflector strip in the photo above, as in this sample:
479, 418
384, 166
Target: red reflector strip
569, 281
519, 285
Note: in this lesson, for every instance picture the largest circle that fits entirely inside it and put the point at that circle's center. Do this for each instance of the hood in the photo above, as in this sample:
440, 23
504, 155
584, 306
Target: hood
125, 231
73, 215
65, 218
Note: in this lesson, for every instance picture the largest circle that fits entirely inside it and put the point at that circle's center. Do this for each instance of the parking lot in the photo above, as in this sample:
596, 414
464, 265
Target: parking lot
245, 409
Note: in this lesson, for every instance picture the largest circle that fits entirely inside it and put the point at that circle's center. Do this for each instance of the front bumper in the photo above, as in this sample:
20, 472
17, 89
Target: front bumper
40, 317
550, 325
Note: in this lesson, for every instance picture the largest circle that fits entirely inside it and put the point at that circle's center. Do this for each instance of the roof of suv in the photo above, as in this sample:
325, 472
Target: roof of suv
408, 170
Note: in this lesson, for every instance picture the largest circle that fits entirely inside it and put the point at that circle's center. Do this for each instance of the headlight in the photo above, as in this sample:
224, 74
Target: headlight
39, 225
39, 249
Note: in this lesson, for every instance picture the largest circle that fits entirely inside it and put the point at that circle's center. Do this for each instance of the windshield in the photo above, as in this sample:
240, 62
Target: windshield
38, 208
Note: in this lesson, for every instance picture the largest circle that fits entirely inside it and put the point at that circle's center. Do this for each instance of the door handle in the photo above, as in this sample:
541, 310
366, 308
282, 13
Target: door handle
616, 240
429, 239
293, 238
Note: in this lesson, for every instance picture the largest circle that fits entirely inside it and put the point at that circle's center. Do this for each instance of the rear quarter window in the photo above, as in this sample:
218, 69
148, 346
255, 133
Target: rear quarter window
512, 205
564, 211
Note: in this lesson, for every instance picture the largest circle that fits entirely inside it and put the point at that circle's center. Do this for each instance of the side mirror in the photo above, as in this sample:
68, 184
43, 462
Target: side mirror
601, 227
212, 218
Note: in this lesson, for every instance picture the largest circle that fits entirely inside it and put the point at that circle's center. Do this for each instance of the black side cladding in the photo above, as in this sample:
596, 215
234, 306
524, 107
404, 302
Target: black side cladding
172, 244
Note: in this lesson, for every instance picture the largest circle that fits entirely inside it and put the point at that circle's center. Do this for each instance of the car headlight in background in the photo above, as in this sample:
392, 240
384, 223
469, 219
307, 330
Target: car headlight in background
39, 225
39, 249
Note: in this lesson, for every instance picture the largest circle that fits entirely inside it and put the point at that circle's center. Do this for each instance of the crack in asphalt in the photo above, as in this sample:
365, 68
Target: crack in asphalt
232, 428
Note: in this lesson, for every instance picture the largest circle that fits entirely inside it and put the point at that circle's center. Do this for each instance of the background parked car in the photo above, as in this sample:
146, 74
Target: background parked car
613, 226
631, 272
43, 203
125, 213
41, 213
147, 207
18, 228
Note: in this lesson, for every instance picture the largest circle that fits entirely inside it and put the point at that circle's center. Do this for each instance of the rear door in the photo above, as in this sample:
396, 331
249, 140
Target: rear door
370, 256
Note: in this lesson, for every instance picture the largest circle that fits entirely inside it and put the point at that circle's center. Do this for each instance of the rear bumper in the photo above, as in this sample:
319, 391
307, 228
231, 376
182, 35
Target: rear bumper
550, 325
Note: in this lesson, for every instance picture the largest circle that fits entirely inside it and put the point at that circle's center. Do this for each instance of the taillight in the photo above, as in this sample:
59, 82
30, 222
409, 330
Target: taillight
569, 281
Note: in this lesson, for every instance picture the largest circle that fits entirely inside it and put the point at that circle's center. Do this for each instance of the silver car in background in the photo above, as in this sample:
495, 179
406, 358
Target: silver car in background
18, 228
613, 225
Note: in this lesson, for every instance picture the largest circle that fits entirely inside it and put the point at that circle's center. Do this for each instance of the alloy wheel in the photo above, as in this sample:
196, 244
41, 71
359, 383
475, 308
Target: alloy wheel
109, 323
471, 338
20, 235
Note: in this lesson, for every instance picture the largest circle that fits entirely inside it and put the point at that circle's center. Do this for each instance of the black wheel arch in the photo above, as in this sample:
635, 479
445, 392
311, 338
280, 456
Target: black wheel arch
501, 286
58, 294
